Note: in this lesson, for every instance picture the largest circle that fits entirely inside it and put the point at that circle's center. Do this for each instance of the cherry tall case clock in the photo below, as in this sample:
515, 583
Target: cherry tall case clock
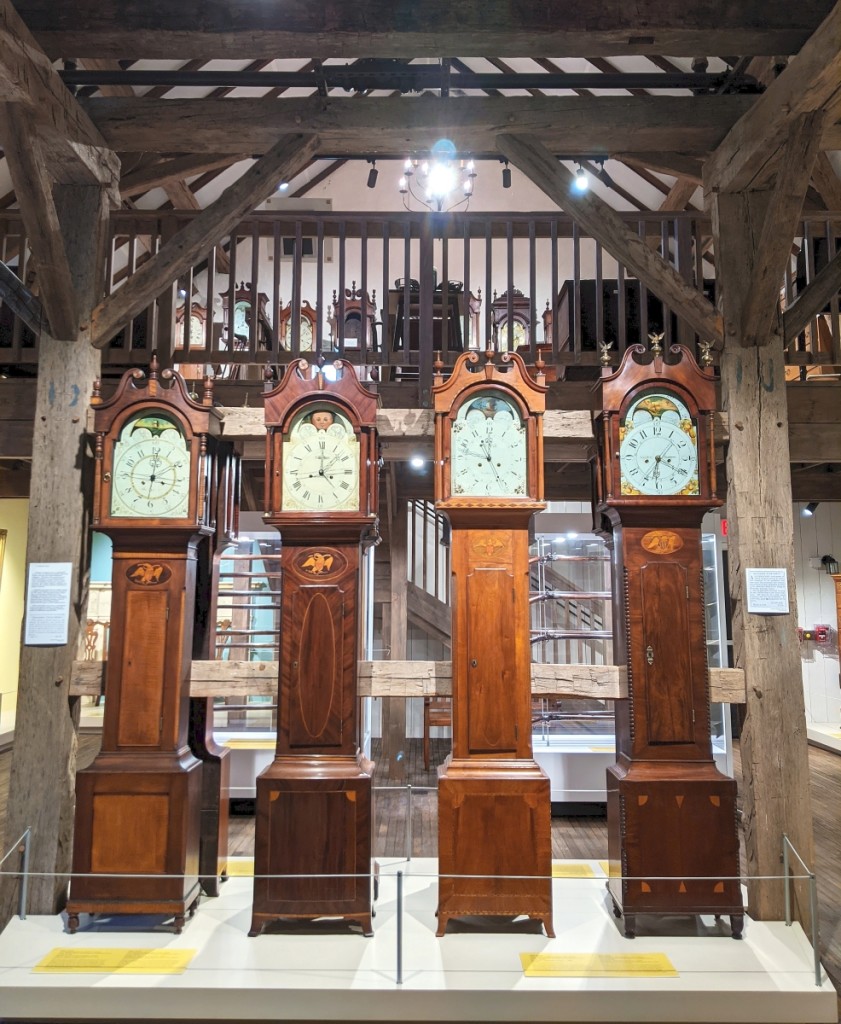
494, 843
672, 833
138, 805
314, 800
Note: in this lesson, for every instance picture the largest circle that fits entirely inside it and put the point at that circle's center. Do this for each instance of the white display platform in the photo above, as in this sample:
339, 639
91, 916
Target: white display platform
327, 971
825, 734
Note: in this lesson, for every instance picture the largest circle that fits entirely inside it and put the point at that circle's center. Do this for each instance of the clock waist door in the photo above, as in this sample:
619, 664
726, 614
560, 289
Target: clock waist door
492, 709
317, 712
147, 675
668, 673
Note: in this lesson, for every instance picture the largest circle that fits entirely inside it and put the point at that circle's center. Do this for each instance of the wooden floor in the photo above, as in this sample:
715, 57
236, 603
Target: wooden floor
580, 837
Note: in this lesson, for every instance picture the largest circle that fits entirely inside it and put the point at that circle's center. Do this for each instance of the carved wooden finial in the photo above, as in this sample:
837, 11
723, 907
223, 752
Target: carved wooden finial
374, 372
489, 352
540, 367
604, 348
207, 395
154, 365
656, 344
438, 367
706, 353
96, 396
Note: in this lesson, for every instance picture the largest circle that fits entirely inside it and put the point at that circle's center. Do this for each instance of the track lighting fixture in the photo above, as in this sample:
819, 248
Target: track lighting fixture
810, 509
506, 176
373, 174
604, 177
581, 182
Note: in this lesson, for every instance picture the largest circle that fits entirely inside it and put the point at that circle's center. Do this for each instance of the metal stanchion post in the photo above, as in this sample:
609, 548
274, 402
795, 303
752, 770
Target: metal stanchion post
399, 927
24, 885
409, 807
813, 910
787, 882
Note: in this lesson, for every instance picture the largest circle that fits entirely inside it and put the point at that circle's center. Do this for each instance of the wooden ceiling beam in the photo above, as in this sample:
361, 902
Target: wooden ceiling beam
812, 300
21, 301
591, 126
603, 224
773, 249
77, 153
158, 173
247, 29
810, 82
187, 246
34, 190
679, 165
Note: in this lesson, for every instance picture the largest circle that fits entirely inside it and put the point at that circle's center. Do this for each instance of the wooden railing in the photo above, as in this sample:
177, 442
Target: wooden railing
392, 289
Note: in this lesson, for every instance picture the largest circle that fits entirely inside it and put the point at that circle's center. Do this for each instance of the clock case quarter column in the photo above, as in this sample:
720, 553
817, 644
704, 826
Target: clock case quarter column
672, 828
138, 804
314, 820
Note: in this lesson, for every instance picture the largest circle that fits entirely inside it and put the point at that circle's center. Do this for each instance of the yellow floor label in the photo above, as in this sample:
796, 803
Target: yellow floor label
241, 868
570, 869
251, 744
605, 866
597, 965
602, 750
64, 960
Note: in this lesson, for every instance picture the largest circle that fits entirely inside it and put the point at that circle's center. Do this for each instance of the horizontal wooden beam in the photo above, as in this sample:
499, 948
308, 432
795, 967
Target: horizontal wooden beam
248, 29
809, 83
157, 173
389, 125
410, 679
601, 222
77, 152
286, 158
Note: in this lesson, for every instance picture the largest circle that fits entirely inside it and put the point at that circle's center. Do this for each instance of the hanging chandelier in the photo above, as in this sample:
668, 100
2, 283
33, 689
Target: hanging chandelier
439, 183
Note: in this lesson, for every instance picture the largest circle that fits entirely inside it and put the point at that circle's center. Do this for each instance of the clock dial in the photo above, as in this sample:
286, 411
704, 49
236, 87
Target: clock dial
196, 332
658, 447
321, 463
151, 476
241, 311
488, 448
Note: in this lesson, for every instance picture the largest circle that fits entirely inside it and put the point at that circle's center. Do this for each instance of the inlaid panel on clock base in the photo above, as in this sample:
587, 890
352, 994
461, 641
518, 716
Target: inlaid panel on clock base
140, 821
313, 836
673, 841
494, 825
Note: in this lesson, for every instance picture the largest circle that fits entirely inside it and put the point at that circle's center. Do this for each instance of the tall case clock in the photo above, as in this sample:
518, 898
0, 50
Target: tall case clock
138, 805
494, 842
314, 800
672, 833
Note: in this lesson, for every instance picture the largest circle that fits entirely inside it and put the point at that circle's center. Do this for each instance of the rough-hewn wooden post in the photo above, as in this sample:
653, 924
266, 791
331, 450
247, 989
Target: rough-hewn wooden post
759, 511
43, 771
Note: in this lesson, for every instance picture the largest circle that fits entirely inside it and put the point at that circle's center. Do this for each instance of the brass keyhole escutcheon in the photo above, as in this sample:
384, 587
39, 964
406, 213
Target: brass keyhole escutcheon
473, 663
649, 654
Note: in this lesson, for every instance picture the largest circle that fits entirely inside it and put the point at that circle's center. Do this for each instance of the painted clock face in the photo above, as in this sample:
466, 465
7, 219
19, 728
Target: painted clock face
151, 474
196, 332
658, 447
320, 462
488, 448
241, 311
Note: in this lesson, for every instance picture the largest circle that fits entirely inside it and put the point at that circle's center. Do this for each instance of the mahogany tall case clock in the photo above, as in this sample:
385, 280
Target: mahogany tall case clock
494, 843
314, 800
672, 832
138, 805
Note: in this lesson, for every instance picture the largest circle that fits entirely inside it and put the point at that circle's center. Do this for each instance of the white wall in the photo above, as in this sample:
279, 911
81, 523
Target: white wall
814, 537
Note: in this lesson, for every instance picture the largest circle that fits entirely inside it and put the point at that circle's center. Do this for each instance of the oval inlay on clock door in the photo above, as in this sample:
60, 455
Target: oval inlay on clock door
148, 574
317, 668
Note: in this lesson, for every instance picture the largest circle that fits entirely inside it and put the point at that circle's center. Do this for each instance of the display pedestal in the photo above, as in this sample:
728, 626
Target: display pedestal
671, 831
137, 821
494, 839
314, 839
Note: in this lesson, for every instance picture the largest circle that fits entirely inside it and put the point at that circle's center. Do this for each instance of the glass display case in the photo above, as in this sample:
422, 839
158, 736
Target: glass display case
572, 623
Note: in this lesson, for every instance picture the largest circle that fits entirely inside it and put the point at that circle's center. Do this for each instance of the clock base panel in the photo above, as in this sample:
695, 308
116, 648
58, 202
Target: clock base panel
673, 844
312, 856
139, 824
494, 824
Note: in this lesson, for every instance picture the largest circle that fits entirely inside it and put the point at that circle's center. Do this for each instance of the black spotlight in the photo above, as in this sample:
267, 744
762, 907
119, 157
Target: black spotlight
373, 174
506, 176
811, 508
